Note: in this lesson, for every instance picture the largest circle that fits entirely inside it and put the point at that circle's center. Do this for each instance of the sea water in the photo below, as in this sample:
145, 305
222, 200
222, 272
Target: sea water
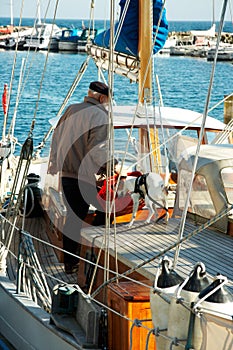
184, 82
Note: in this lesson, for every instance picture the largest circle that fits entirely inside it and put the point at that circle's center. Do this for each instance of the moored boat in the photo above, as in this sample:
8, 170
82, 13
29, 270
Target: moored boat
224, 53
46, 35
87, 36
107, 305
68, 39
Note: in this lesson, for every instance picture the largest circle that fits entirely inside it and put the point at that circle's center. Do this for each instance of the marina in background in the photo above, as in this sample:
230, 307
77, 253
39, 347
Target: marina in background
188, 92
193, 39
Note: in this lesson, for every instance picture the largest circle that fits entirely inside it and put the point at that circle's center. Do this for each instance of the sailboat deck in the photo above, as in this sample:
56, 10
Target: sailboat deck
144, 242
46, 254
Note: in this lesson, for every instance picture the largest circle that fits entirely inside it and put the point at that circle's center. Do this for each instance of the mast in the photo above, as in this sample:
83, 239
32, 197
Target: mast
149, 141
144, 50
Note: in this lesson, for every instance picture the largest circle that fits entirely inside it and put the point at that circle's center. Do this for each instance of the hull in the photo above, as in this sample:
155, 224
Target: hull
67, 46
134, 246
26, 325
45, 44
81, 45
45, 35
224, 54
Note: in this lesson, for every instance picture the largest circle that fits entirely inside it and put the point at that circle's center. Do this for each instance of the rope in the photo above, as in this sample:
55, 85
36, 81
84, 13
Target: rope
43, 74
71, 254
91, 26
148, 338
227, 131
119, 28
28, 254
13, 209
136, 323
71, 90
14, 64
12, 126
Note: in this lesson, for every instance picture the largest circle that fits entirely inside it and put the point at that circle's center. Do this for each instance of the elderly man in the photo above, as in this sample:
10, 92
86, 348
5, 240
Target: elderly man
78, 151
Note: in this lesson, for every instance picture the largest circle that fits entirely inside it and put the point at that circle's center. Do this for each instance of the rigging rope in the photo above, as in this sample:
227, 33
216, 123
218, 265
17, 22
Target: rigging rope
13, 208
43, 74
14, 64
28, 262
119, 28
12, 125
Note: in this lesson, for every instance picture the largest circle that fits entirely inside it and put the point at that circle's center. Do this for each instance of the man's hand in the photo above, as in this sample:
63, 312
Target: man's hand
52, 169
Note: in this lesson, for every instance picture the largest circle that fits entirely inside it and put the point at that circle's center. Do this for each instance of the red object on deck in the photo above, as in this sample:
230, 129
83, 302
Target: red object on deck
4, 99
123, 205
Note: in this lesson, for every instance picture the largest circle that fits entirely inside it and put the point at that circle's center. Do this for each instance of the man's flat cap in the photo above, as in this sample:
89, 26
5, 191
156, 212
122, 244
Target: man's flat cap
100, 87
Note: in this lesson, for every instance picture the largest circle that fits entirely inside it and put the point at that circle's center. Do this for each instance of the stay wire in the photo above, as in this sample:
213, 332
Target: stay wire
76, 81
184, 214
43, 75
14, 64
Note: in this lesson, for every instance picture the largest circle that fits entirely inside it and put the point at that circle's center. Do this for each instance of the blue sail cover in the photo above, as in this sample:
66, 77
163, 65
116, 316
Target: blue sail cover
128, 38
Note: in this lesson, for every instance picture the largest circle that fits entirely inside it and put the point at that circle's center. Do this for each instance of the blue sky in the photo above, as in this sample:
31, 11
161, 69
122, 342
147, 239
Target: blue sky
80, 9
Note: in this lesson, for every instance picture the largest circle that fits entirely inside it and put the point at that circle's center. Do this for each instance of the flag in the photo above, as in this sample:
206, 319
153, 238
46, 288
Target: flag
4, 99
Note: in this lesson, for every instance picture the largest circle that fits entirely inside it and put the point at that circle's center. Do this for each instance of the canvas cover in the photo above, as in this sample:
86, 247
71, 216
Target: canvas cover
128, 38
212, 190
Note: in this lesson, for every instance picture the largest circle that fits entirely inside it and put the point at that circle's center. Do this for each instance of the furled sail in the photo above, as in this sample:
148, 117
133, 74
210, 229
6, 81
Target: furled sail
128, 39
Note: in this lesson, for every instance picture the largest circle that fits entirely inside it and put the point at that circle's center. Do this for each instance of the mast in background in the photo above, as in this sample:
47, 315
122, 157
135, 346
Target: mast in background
213, 13
38, 12
11, 10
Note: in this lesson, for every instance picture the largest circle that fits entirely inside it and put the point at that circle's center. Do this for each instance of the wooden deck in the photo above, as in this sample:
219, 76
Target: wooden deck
143, 245
47, 255
149, 242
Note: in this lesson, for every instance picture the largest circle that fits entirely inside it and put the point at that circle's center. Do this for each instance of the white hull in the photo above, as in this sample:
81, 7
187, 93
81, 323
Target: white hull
67, 46
25, 325
46, 37
224, 54
35, 44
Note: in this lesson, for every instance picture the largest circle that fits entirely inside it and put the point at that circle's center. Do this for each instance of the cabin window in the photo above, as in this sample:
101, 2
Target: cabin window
121, 144
227, 179
200, 202
67, 34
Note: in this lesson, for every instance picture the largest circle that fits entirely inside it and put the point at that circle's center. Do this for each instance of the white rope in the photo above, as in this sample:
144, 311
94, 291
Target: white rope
43, 73
12, 126
67, 252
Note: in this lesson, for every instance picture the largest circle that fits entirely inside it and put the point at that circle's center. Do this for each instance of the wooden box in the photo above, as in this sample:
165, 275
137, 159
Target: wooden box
131, 300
